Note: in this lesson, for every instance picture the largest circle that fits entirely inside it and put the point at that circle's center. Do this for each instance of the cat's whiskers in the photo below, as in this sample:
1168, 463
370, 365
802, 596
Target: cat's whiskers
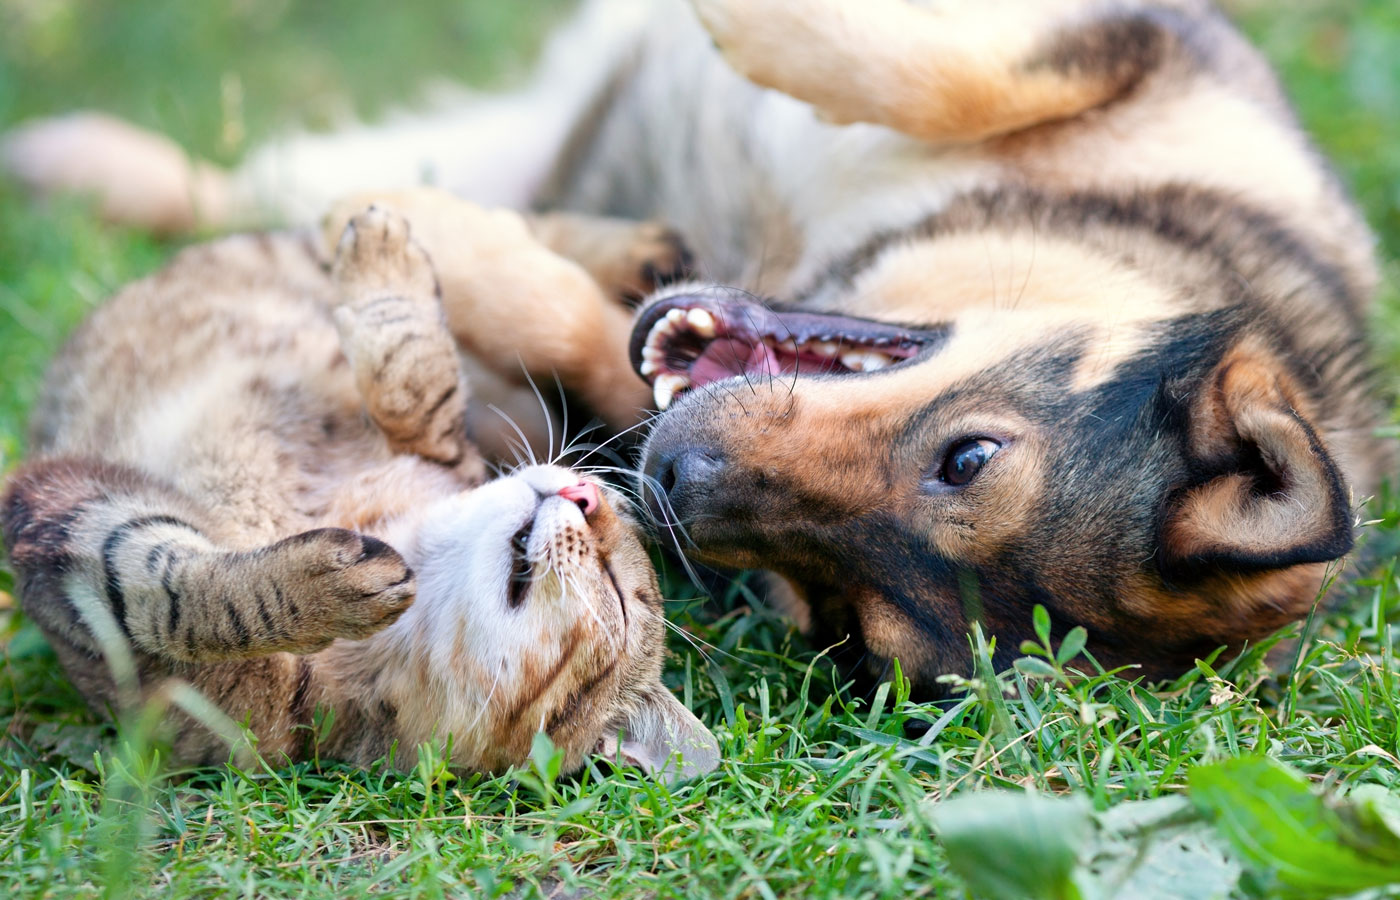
486, 702
544, 408
529, 451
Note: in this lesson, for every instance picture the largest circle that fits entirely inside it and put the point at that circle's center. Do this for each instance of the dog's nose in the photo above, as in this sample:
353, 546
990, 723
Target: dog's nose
682, 478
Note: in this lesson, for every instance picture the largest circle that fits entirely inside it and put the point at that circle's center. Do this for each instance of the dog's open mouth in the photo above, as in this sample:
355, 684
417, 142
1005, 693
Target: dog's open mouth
690, 340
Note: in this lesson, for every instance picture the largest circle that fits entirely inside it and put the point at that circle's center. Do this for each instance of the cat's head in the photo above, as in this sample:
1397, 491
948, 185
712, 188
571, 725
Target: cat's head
539, 610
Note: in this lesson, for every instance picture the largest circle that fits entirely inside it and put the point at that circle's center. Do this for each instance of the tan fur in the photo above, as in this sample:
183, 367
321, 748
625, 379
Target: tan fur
954, 72
1132, 270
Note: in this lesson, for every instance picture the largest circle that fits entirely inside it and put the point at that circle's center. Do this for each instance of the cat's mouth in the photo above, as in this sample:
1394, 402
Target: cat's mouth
522, 568
525, 569
690, 340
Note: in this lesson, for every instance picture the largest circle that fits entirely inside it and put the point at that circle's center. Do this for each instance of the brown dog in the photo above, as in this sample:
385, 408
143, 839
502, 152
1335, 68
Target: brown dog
1065, 308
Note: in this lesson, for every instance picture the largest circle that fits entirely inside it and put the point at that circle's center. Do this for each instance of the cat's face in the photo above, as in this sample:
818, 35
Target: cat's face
541, 612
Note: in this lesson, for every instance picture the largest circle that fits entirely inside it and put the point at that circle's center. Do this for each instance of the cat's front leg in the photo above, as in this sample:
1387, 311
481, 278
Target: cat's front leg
518, 306
107, 554
393, 331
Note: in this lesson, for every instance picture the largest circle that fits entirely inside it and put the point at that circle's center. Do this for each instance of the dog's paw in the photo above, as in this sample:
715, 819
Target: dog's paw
659, 256
794, 46
354, 584
376, 257
719, 18
740, 29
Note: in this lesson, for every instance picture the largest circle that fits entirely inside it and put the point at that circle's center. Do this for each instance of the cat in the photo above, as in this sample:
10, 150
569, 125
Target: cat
251, 473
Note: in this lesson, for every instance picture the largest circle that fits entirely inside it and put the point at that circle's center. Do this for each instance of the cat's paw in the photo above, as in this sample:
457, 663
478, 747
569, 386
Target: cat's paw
377, 257
358, 584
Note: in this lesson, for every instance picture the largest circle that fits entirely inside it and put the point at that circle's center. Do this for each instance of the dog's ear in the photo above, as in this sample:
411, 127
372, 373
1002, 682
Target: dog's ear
1271, 495
663, 738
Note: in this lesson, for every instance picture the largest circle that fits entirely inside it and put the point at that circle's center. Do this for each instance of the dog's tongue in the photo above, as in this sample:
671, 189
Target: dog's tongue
727, 357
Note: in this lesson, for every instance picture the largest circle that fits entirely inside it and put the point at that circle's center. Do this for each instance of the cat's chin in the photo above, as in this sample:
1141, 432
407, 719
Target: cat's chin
495, 550
517, 607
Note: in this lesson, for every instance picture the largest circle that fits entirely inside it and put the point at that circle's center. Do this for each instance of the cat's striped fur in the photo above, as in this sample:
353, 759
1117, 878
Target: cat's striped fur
246, 467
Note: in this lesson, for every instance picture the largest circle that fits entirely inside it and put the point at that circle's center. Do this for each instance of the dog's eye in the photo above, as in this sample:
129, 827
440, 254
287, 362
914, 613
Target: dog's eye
965, 459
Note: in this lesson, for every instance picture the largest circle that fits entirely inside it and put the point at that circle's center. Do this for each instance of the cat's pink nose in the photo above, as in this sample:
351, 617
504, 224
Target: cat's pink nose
585, 494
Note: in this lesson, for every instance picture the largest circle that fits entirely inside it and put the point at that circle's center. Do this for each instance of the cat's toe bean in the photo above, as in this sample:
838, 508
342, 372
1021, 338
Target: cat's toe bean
359, 583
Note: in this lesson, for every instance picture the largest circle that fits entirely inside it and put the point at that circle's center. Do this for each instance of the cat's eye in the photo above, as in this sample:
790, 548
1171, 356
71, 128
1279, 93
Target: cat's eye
965, 458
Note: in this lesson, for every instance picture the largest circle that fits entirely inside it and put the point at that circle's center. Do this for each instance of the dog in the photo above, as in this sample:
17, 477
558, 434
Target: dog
1004, 303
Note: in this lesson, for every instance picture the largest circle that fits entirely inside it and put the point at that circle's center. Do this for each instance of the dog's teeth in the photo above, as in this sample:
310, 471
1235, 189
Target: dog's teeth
874, 361
700, 322
666, 387
865, 360
653, 354
854, 360
787, 345
675, 316
659, 332
650, 367
823, 348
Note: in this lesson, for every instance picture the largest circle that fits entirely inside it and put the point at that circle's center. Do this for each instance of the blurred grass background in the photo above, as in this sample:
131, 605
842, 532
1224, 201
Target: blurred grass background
220, 75
217, 76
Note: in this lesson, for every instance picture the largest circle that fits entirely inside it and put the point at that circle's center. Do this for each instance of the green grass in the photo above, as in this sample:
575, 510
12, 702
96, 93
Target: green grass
819, 793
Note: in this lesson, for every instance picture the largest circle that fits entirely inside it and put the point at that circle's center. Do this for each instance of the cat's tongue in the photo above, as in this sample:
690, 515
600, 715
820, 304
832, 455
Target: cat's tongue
727, 357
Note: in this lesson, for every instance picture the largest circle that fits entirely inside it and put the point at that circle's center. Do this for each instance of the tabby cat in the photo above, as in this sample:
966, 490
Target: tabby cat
251, 474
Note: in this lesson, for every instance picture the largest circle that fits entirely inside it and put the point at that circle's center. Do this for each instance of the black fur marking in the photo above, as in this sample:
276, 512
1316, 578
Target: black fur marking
284, 602
1115, 407
270, 628
240, 630
373, 548
574, 702
167, 583
441, 401
1120, 50
39, 552
1215, 225
300, 708
393, 351
115, 596
153, 558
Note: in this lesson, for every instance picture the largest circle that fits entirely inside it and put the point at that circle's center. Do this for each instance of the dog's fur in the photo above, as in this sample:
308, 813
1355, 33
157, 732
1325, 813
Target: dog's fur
1113, 262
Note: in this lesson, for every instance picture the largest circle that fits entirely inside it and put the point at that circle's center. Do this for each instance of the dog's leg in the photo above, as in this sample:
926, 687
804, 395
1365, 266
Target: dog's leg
628, 259
514, 304
495, 149
958, 72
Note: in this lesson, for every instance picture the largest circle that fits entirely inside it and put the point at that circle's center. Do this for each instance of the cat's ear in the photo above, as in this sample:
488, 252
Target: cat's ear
662, 738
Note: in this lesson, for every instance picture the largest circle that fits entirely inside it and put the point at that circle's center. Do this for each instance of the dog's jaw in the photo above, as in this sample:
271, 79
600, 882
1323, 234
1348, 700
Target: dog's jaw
692, 338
